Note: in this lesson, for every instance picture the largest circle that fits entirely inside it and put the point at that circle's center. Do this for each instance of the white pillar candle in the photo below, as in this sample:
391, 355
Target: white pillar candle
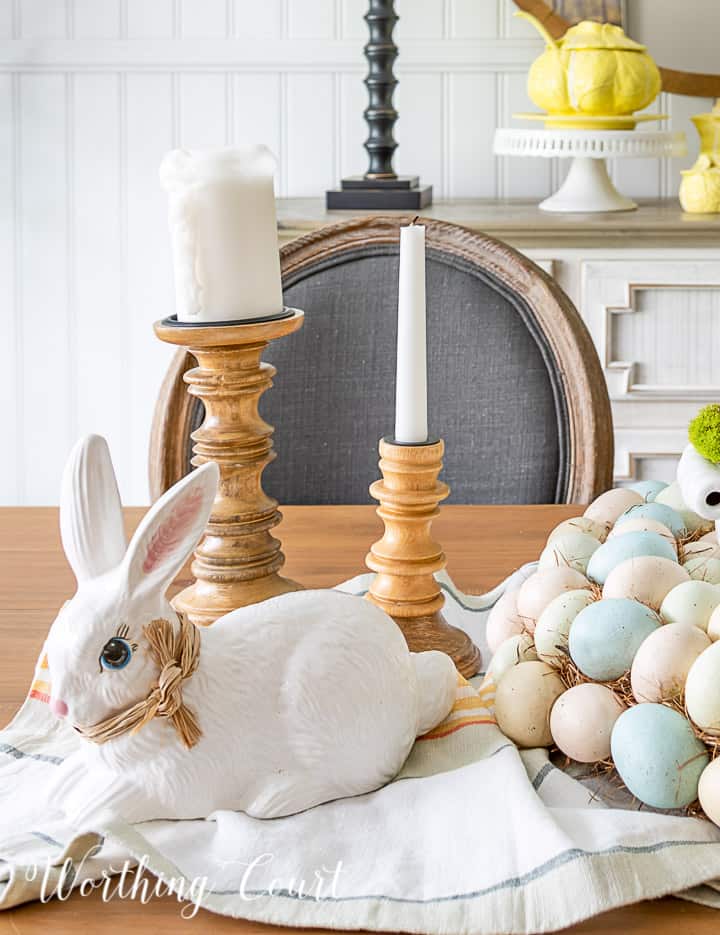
411, 381
224, 233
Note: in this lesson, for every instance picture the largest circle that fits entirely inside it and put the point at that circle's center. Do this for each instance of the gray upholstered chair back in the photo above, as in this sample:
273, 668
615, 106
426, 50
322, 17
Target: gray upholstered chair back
512, 372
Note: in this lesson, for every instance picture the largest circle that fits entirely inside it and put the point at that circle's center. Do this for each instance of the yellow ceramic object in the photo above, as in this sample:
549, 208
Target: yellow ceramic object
594, 70
700, 186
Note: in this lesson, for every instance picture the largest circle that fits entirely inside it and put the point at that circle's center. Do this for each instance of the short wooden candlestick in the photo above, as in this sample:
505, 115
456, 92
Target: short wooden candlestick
237, 562
407, 557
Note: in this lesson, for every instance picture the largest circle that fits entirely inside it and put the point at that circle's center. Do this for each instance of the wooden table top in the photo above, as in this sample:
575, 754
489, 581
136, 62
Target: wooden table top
324, 545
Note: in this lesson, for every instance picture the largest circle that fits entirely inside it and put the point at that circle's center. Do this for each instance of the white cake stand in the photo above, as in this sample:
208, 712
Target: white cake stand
588, 187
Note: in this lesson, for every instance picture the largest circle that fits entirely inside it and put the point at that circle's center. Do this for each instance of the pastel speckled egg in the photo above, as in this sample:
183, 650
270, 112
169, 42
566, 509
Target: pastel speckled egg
702, 690
540, 588
515, 649
646, 579
582, 720
605, 636
691, 602
523, 701
657, 511
709, 791
573, 550
598, 531
658, 756
672, 497
661, 665
711, 536
648, 489
503, 620
644, 524
553, 625
703, 569
621, 548
701, 548
611, 504
713, 627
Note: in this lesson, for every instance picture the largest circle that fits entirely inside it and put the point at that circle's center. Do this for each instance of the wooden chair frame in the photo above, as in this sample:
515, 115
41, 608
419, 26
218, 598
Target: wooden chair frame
569, 343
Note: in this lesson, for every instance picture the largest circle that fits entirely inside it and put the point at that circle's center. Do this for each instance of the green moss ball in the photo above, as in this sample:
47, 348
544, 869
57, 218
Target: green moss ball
704, 432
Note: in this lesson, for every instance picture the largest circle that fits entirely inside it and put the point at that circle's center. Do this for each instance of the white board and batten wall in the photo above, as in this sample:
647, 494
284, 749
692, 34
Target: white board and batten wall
92, 94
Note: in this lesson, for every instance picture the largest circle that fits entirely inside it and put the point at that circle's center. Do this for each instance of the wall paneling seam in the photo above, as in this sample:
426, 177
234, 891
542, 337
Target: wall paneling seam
17, 168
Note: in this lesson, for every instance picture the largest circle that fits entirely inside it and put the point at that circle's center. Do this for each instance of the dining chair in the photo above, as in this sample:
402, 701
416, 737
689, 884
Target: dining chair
515, 387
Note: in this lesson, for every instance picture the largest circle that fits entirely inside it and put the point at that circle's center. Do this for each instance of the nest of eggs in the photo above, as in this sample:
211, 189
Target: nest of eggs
621, 712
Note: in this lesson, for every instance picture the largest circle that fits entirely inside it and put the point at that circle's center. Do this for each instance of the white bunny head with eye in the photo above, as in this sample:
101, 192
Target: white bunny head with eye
99, 660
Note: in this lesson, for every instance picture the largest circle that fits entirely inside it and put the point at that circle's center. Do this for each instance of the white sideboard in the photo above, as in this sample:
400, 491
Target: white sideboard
647, 284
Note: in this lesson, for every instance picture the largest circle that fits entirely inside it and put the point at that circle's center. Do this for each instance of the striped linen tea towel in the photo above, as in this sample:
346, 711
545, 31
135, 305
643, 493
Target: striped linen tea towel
473, 836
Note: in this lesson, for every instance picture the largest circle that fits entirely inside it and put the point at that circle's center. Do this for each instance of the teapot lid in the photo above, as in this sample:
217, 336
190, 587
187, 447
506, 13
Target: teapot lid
591, 35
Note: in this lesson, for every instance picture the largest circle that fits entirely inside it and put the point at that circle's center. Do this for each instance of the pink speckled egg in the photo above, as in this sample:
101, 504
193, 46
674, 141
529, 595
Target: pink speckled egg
709, 791
612, 504
713, 627
646, 578
661, 665
598, 531
539, 589
643, 524
503, 621
582, 719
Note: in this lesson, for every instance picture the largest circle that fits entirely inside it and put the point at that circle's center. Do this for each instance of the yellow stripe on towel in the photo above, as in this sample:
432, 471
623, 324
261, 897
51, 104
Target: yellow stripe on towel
473, 701
40, 688
450, 727
471, 707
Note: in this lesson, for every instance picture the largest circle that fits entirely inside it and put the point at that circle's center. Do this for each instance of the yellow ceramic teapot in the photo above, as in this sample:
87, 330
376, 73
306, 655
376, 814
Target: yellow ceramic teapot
594, 70
700, 186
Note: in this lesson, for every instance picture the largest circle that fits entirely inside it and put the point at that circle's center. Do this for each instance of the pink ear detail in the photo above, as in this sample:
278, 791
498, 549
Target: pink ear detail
171, 532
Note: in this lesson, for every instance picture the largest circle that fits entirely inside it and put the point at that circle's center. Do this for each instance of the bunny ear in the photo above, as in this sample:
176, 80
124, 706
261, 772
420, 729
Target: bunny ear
91, 523
171, 530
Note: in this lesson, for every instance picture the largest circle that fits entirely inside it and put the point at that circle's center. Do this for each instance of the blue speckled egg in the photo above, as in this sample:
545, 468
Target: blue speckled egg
619, 548
648, 489
658, 756
663, 514
605, 636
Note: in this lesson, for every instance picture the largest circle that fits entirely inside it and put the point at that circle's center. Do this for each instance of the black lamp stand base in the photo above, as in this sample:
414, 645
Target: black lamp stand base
401, 193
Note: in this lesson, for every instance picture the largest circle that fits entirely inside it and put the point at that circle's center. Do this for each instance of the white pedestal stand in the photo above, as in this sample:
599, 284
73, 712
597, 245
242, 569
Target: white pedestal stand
587, 187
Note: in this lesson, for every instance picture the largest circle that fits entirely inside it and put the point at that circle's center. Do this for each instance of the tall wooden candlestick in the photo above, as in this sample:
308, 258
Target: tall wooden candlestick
238, 561
407, 557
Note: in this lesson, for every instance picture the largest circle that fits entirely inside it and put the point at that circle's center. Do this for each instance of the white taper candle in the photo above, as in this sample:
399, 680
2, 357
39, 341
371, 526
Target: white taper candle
411, 426
224, 233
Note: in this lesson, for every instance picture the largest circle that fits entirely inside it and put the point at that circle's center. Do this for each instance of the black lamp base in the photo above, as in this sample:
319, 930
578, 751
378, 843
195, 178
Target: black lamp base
401, 193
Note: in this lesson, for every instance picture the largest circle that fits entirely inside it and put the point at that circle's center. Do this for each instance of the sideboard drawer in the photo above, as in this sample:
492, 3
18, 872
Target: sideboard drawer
656, 325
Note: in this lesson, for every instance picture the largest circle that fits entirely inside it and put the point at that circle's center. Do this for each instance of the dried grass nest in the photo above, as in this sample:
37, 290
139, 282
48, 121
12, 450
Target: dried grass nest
571, 676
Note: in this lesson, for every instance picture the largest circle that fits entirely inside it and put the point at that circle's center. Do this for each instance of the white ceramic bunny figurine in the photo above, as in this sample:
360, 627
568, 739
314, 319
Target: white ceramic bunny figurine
302, 699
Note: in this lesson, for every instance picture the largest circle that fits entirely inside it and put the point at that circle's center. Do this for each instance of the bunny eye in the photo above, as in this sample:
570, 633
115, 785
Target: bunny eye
116, 653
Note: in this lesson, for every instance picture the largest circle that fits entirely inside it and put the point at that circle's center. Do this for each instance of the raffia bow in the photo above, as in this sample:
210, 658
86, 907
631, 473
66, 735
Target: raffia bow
178, 655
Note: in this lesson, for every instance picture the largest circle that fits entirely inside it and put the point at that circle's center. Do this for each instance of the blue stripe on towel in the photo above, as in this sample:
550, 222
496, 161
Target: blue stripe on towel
21, 754
455, 595
46, 838
542, 775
